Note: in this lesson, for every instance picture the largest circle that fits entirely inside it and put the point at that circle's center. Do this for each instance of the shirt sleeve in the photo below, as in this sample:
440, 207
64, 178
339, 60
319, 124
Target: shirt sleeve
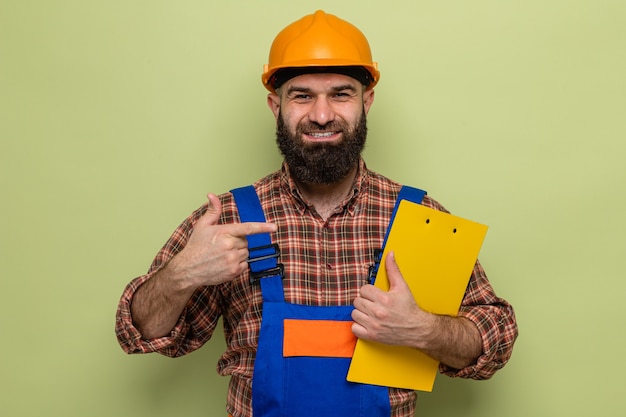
495, 320
197, 321
493, 316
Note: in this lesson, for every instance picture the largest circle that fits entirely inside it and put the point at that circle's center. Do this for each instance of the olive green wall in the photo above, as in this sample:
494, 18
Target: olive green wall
117, 117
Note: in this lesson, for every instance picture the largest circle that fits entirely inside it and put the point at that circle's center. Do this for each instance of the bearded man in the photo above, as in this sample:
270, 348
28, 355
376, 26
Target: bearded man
324, 215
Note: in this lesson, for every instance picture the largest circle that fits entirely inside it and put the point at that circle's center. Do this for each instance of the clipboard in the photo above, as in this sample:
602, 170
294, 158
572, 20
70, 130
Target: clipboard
436, 253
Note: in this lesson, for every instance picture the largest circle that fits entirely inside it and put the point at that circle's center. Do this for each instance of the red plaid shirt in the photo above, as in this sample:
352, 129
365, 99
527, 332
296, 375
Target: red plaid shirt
326, 262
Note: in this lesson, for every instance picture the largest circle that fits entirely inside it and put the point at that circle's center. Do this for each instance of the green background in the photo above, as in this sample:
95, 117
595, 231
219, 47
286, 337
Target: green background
117, 117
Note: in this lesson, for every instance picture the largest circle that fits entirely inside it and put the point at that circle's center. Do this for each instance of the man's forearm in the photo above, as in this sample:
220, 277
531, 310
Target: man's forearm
158, 303
454, 341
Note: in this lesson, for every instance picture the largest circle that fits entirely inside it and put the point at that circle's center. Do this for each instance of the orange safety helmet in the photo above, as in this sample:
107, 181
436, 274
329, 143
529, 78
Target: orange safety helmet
320, 42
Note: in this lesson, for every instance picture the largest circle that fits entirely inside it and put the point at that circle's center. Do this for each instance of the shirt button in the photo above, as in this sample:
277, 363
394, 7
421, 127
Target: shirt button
329, 266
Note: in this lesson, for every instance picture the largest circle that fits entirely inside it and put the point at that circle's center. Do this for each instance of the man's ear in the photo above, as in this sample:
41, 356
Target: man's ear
273, 102
368, 99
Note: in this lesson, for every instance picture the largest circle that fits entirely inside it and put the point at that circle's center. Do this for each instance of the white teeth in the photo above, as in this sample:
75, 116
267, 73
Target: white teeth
322, 135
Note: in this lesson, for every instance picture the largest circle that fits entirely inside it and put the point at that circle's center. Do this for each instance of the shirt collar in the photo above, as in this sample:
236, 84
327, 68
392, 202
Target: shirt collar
349, 203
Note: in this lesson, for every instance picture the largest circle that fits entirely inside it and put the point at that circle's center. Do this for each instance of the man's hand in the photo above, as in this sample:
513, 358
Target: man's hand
215, 253
394, 318
391, 317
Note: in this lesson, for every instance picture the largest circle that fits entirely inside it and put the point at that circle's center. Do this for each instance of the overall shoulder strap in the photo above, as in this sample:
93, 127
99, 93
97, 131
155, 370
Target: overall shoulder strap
414, 195
263, 254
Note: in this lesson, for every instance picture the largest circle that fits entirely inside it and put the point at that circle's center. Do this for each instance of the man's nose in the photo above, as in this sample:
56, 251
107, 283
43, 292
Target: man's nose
321, 111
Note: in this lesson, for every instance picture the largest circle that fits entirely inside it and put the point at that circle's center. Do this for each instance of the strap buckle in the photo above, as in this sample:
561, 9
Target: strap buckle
373, 269
263, 255
257, 276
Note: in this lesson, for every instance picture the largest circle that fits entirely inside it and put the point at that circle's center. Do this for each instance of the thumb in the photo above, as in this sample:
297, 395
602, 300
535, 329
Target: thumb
214, 210
396, 281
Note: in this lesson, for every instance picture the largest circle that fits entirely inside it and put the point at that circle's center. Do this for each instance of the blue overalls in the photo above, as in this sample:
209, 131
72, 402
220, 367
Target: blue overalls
304, 351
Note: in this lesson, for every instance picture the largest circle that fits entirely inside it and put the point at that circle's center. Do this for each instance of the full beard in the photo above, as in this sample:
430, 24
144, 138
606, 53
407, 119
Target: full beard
321, 163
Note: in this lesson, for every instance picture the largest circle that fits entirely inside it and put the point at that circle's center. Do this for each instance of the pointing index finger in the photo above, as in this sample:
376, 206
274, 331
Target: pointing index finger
252, 228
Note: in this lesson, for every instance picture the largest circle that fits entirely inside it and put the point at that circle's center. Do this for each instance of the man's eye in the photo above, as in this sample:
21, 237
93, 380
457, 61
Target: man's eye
342, 96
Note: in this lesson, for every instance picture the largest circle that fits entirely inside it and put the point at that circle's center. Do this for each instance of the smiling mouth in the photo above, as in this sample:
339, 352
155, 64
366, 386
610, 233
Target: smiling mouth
322, 135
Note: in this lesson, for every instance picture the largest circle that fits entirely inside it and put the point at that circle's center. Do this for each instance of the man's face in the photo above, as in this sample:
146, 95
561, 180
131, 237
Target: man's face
321, 125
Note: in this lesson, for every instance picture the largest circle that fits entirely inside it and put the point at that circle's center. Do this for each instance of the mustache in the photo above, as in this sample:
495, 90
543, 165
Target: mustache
333, 126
